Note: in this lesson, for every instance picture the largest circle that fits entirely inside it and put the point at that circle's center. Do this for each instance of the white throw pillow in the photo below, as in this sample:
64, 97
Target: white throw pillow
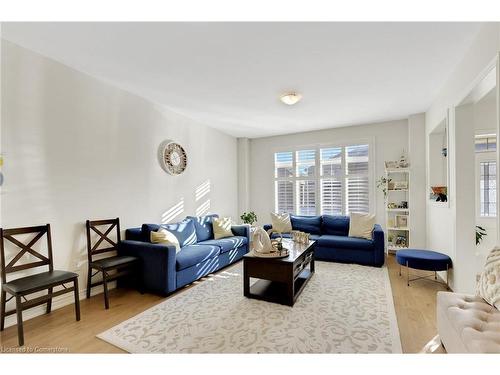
488, 286
281, 222
165, 237
361, 225
222, 227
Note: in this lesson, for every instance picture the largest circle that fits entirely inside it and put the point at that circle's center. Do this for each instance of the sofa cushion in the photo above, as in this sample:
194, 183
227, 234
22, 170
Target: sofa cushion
227, 244
183, 230
335, 225
308, 224
344, 242
193, 254
203, 226
281, 222
222, 228
165, 237
361, 225
467, 324
488, 286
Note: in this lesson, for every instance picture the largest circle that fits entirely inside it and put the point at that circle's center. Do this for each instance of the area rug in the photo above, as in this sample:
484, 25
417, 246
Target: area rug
344, 308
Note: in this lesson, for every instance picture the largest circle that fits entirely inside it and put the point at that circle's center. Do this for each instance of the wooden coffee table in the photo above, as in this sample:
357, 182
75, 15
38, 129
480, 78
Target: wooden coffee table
282, 279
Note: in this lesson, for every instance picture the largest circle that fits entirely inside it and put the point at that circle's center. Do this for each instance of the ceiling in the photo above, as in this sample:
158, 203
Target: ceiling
230, 75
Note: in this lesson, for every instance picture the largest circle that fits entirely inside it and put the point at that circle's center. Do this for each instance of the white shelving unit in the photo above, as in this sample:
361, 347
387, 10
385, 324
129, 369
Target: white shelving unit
398, 233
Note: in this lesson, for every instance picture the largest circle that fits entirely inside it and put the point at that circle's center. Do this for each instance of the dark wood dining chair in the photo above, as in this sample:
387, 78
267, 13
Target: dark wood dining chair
120, 265
19, 288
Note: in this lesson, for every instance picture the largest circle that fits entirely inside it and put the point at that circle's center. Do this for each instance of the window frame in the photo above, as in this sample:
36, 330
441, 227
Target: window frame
483, 157
372, 204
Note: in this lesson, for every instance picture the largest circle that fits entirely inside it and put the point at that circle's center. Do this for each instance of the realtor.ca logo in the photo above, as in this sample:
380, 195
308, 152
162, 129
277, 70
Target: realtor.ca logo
33, 349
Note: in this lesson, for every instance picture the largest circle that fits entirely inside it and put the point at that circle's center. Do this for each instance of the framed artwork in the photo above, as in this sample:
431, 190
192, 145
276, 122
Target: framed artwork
401, 221
400, 185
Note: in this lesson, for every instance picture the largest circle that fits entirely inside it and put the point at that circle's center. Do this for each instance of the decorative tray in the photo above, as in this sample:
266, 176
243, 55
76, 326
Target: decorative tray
273, 254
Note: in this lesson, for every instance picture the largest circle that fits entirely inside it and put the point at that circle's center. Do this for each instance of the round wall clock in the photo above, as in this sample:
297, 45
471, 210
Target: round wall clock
172, 157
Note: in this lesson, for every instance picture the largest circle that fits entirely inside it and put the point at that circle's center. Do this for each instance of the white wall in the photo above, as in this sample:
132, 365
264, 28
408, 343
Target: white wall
441, 223
389, 139
76, 148
485, 116
418, 190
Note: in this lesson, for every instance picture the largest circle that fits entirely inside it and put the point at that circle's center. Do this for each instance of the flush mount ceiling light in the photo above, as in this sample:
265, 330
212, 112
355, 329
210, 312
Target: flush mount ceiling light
290, 98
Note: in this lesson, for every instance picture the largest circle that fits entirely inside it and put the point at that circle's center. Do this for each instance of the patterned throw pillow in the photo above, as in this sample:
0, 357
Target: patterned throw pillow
488, 286
281, 223
165, 237
222, 227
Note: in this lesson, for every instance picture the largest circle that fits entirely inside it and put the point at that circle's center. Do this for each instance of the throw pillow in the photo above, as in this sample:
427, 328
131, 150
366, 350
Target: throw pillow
281, 222
488, 286
222, 227
361, 225
165, 237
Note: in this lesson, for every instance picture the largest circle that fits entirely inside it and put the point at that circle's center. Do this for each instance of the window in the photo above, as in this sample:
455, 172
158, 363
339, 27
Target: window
486, 143
488, 188
330, 180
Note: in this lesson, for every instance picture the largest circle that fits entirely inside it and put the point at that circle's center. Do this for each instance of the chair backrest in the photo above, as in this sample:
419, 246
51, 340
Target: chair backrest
94, 225
9, 235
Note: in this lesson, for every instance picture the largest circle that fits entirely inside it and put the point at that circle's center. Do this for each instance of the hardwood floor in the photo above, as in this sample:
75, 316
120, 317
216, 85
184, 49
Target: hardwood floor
59, 332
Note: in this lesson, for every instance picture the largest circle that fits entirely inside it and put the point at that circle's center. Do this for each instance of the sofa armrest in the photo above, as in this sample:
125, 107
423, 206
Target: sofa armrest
242, 230
134, 234
379, 245
157, 264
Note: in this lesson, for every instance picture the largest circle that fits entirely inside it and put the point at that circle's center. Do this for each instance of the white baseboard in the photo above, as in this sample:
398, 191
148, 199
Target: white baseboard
57, 303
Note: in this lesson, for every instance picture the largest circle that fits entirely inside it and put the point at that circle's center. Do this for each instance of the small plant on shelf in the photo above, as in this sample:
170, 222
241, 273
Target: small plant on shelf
249, 217
480, 233
382, 183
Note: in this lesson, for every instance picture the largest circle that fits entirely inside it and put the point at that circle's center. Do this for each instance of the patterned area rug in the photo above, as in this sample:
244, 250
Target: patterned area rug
343, 309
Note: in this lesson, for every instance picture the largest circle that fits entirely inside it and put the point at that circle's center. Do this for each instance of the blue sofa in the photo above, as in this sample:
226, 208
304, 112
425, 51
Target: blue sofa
333, 243
165, 271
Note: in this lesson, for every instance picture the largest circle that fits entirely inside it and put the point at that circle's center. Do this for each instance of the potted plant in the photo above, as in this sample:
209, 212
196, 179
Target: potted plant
249, 217
382, 183
480, 233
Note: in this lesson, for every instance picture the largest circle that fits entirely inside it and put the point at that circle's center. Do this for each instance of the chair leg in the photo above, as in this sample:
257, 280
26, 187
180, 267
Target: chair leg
19, 311
2, 310
77, 300
89, 282
105, 285
49, 302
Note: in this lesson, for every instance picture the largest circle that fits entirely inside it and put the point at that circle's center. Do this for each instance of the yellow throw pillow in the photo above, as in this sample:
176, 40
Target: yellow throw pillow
222, 227
166, 237
361, 225
281, 222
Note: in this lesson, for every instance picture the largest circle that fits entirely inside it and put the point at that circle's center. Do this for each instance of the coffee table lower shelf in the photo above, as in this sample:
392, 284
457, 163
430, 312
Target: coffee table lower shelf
278, 292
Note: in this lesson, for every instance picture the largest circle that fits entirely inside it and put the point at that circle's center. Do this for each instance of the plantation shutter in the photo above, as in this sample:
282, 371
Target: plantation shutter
306, 195
357, 182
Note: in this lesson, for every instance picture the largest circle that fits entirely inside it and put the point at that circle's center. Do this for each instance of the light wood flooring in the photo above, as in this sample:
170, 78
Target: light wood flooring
415, 309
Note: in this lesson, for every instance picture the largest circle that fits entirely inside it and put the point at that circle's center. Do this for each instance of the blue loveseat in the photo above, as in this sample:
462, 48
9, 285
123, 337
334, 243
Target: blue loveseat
333, 243
165, 271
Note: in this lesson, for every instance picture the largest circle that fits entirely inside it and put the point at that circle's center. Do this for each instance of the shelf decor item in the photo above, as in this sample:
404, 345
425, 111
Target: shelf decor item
400, 185
391, 164
401, 221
